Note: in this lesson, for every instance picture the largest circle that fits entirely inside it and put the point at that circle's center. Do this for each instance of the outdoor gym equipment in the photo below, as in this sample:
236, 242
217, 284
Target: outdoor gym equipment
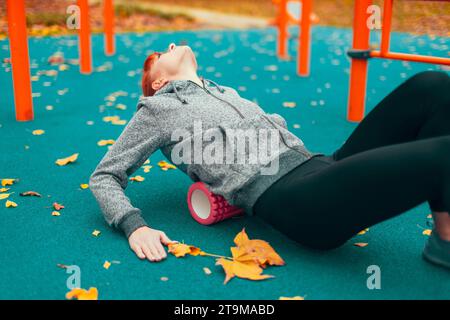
20, 60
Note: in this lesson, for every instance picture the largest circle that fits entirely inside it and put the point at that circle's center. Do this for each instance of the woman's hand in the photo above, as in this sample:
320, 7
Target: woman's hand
147, 243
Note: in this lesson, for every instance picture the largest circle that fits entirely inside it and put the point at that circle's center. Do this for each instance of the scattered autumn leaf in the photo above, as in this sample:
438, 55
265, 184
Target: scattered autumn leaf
181, 249
292, 298
38, 132
248, 270
102, 143
57, 206
137, 178
10, 203
164, 165
82, 294
6, 182
427, 232
84, 186
4, 189
363, 231
360, 244
258, 250
30, 193
164, 278
96, 233
4, 195
64, 161
56, 213
207, 271
106, 265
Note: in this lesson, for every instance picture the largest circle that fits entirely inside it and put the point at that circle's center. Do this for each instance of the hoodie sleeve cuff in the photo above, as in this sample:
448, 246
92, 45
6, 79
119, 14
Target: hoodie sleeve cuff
132, 222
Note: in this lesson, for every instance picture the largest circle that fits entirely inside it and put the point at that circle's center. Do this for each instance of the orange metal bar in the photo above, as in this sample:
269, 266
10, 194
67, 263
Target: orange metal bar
304, 40
282, 29
108, 13
410, 57
20, 63
358, 68
387, 21
85, 38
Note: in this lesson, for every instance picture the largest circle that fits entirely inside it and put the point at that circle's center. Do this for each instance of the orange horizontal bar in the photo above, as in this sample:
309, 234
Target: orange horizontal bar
410, 57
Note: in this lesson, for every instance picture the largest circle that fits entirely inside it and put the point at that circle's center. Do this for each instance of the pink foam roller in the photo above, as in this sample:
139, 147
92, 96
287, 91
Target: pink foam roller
207, 207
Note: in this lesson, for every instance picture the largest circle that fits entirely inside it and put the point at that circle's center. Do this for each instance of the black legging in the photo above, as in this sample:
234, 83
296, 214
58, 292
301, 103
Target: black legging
397, 158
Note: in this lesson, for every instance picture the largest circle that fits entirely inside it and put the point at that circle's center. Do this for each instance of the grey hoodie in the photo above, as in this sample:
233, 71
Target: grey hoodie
176, 107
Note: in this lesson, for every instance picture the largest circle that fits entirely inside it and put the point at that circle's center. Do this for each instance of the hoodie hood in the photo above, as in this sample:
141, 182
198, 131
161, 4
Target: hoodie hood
180, 87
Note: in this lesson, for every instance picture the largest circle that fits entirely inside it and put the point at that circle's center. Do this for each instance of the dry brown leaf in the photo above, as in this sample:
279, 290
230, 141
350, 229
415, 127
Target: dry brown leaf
361, 244
57, 206
30, 193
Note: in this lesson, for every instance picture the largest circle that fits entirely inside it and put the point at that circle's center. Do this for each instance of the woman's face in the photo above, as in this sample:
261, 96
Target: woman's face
175, 60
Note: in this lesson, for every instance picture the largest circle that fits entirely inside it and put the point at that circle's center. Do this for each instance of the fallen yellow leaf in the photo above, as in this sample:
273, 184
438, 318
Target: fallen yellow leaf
292, 298
4, 189
363, 231
4, 195
38, 132
10, 204
82, 294
64, 161
427, 232
6, 182
106, 265
102, 143
96, 233
137, 178
84, 186
56, 213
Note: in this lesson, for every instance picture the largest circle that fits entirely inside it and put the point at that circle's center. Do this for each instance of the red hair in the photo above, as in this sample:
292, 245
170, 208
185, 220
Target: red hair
146, 82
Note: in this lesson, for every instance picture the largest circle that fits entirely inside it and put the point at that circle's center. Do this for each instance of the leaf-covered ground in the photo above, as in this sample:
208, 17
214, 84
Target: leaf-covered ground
78, 116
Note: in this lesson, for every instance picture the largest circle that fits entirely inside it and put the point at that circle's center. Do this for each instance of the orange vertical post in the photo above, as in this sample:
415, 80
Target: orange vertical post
358, 67
386, 30
282, 23
85, 38
20, 61
304, 40
108, 16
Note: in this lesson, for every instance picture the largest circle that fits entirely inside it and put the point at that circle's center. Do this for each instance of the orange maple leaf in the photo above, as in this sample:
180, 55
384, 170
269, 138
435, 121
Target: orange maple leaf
181, 249
83, 294
248, 270
258, 250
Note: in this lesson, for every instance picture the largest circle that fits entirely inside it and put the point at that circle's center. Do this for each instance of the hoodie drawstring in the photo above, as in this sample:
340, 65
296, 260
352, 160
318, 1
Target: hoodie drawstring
218, 87
177, 94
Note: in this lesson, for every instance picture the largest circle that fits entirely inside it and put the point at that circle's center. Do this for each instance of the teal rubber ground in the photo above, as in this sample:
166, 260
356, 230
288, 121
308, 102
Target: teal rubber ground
33, 242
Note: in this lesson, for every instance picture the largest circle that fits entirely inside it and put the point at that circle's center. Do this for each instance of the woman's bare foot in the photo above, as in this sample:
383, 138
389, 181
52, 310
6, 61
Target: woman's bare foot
442, 224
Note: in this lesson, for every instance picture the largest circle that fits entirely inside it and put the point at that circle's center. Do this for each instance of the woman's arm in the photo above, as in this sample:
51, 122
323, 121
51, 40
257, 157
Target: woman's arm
140, 138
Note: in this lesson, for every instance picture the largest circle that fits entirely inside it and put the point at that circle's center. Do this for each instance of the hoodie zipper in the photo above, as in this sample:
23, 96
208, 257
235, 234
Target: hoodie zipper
243, 117
231, 105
